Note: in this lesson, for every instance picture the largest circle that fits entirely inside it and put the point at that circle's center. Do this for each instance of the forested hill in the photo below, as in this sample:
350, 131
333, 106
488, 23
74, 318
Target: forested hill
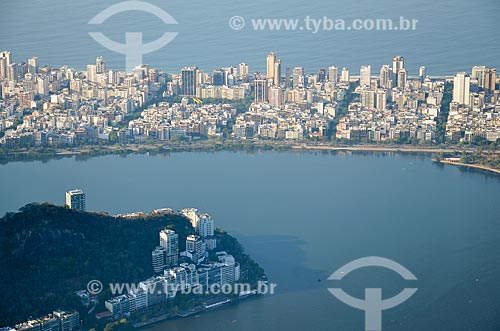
48, 252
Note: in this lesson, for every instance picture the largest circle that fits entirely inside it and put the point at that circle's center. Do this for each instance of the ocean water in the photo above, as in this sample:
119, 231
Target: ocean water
451, 35
302, 216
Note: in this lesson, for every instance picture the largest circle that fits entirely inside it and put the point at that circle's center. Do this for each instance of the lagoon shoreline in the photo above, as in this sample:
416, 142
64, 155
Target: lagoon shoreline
46, 154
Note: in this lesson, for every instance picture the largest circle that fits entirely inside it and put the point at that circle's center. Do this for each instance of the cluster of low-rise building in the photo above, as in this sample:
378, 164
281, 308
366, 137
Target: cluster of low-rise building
290, 122
474, 111
63, 106
171, 121
177, 271
393, 107
59, 320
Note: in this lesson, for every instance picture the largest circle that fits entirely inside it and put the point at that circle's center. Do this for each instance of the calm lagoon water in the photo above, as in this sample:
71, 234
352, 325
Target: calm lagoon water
301, 216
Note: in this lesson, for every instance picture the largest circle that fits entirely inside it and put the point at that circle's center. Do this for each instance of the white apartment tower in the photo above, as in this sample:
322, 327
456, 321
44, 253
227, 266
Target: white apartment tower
100, 65
386, 76
271, 65
365, 75
461, 88
277, 73
158, 259
244, 71
345, 77
75, 199
398, 63
169, 240
333, 75
422, 73
205, 226
402, 76
192, 215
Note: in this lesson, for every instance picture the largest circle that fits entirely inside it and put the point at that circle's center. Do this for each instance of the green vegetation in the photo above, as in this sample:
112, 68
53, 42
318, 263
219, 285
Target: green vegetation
53, 251
240, 105
342, 110
443, 114
486, 156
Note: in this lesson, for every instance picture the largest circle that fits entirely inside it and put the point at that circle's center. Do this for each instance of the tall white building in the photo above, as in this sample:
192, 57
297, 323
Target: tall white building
365, 75
478, 73
402, 76
196, 248
345, 77
368, 98
277, 73
75, 199
206, 226
158, 259
422, 73
33, 65
333, 75
192, 215
260, 88
381, 100
190, 77
271, 65
92, 73
5, 62
398, 63
275, 96
461, 88
169, 240
386, 76
100, 65
298, 78
244, 71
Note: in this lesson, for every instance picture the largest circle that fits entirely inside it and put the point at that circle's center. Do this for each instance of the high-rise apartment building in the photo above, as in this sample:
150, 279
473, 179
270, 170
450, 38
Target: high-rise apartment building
33, 65
100, 65
260, 89
158, 259
398, 63
277, 73
402, 76
189, 81
298, 78
275, 96
461, 88
169, 240
368, 98
365, 75
346, 76
244, 71
333, 75
5, 62
75, 199
490, 78
196, 247
92, 73
385, 76
205, 227
271, 65
422, 73
381, 100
